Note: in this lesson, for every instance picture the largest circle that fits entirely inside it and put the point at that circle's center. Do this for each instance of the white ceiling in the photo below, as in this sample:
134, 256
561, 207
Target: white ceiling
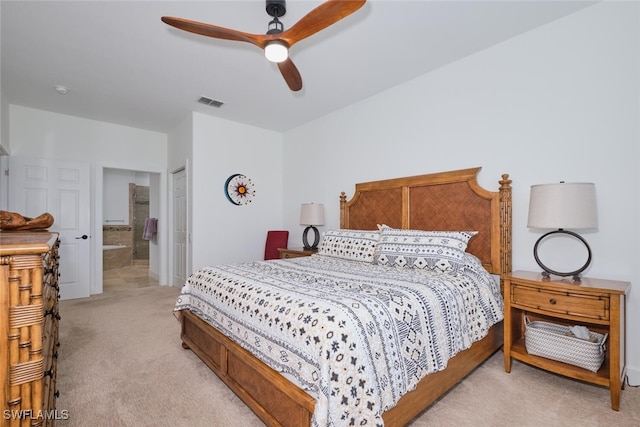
123, 65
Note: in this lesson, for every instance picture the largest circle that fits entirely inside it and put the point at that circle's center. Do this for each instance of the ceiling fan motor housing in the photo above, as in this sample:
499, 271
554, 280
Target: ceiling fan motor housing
276, 8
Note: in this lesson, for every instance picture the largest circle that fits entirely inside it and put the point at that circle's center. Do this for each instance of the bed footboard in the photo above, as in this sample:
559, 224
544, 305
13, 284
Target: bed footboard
278, 402
274, 399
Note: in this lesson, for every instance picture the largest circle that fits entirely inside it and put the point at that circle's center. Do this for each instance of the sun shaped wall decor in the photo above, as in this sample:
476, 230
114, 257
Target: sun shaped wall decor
239, 189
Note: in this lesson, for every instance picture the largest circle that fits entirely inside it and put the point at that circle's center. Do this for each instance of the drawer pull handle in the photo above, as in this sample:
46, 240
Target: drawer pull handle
552, 301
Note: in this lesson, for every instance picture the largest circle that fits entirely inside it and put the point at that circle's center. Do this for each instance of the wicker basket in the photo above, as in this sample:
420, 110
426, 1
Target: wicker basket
558, 343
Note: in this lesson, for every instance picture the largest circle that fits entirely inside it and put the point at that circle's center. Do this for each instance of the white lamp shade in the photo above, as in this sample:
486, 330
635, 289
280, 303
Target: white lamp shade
312, 214
563, 205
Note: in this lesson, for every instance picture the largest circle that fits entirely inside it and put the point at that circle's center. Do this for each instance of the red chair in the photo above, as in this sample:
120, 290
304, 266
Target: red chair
275, 239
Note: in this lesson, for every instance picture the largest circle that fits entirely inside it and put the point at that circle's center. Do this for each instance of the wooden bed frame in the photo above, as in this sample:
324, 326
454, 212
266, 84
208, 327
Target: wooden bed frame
441, 201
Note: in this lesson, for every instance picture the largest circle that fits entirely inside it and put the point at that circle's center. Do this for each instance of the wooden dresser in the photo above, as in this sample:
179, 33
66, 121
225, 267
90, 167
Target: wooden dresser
28, 327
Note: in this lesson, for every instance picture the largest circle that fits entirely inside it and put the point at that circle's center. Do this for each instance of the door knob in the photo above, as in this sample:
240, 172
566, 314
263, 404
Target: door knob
83, 237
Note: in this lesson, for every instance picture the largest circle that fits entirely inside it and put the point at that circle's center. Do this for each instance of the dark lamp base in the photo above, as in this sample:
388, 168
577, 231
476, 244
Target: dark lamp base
547, 271
316, 239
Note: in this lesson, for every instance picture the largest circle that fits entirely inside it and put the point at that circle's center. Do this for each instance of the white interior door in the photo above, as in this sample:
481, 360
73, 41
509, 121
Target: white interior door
62, 189
179, 228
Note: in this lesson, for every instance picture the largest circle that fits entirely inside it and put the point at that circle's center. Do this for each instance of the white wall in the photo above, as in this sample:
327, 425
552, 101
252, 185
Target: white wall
4, 125
4, 144
223, 232
557, 103
180, 144
4, 183
159, 255
42, 134
179, 153
4, 119
211, 149
115, 196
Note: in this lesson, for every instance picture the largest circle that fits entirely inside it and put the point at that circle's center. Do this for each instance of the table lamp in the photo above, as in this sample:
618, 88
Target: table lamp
311, 214
563, 206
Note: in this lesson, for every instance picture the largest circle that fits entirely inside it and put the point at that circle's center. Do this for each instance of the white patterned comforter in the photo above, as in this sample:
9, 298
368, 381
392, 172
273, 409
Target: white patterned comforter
357, 336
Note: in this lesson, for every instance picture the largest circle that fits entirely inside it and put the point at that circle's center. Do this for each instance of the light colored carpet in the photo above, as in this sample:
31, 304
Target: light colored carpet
121, 364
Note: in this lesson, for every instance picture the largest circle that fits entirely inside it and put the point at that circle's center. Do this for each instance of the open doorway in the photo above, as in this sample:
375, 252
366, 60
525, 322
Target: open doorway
128, 205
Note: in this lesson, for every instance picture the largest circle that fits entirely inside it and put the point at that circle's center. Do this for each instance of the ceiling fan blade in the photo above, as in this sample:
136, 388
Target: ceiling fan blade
215, 31
321, 17
291, 74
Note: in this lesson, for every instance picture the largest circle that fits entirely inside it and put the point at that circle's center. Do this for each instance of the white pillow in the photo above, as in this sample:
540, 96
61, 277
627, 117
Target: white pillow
434, 250
354, 245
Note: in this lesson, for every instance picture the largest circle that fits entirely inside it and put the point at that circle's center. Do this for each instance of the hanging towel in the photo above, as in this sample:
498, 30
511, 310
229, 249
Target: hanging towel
150, 228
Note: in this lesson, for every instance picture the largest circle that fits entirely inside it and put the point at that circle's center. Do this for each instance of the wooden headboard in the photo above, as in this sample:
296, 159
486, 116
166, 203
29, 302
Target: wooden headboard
445, 201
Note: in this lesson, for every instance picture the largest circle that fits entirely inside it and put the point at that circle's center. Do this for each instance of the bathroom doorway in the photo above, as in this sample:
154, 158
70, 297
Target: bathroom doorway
129, 199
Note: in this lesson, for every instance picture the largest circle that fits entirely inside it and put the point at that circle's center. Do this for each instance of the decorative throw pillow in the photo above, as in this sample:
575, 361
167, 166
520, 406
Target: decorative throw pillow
434, 250
355, 245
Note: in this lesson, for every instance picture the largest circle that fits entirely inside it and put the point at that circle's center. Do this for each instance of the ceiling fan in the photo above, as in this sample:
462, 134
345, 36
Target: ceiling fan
277, 41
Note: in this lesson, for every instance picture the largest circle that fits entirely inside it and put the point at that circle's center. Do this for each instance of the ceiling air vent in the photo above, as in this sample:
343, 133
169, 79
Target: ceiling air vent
210, 102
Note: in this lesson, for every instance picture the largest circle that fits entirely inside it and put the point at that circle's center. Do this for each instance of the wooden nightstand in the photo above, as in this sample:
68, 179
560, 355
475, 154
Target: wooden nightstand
595, 303
295, 252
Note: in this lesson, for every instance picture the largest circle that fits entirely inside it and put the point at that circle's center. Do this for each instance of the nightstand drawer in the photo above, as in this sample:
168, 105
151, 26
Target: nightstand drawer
285, 255
575, 304
295, 252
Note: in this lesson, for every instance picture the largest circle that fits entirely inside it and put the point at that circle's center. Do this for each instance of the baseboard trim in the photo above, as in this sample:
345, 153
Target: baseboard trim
633, 376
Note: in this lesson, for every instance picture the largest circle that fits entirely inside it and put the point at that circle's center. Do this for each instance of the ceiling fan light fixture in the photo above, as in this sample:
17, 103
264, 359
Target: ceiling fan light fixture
276, 51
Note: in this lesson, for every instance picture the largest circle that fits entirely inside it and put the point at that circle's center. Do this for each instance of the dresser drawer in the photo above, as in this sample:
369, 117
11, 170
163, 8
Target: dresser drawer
589, 306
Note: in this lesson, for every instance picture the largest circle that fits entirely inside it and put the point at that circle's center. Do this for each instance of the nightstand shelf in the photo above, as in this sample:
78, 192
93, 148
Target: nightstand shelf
295, 252
595, 303
519, 352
